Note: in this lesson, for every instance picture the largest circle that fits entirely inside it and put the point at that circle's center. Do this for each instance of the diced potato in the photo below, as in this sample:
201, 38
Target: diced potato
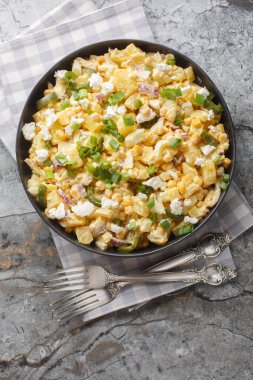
169, 110
69, 149
158, 235
198, 212
140, 208
64, 117
187, 169
73, 221
92, 125
125, 129
191, 153
189, 73
53, 199
104, 213
33, 184
123, 82
147, 155
84, 235
191, 189
169, 195
208, 172
145, 224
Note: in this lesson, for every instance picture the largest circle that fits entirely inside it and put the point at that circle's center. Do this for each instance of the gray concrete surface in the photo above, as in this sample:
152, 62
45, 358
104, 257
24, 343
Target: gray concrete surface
205, 333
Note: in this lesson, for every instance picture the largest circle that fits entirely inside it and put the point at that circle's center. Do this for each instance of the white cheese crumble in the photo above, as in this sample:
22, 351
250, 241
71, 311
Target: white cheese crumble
110, 111
142, 196
107, 88
172, 173
129, 161
203, 91
207, 149
141, 118
83, 208
84, 103
185, 89
187, 202
121, 110
115, 228
73, 102
42, 154
199, 161
188, 219
154, 182
29, 131
95, 81
186, 105
212, 128
60, 74
163, 67
176, 207
74, 120
144, 74
50, 116
107, 203
210, 115
57, 213
44, 133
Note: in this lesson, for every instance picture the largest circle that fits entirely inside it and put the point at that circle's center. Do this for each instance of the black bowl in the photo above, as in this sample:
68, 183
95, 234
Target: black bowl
22, 146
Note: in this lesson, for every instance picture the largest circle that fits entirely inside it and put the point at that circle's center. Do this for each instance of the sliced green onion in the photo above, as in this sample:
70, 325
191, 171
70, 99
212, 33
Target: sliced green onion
216, 159
132, 225
46, 100
171, 93
150, 123
81, 86
128, 120
64, 104
93, 140
49, 174
226, 178
137, 103
185, 230
151, 169
70, 75
83, 151
175, 143
199, 100
154, 217
207, 138
223, 185
116, 177
165, 224
92, 198
41, 195
114, 144
61, 158
96, 156
83, 93
129, 248
125, 175
92, 169
178, 121
75, 126
147, 68
75, 95
117, 97
47, 163
109, 186
150, 203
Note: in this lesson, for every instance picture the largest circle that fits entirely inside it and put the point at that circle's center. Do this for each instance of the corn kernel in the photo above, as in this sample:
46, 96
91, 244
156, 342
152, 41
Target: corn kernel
226, 163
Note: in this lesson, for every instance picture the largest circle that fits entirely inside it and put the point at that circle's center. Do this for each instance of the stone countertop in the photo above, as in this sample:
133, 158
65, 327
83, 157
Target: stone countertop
205, 333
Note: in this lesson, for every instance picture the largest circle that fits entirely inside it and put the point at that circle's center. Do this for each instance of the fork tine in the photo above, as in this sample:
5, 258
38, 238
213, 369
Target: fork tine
71, 288
74, 298
77, 302
66, 282
67, 276
68, 316
68, 297
67, 270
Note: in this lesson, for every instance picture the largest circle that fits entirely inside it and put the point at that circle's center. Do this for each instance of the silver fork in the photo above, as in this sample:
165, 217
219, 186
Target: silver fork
78, 303
95, 277
209, 246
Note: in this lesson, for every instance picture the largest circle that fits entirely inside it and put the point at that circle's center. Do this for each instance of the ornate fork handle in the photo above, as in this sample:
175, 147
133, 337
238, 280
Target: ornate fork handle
213, 274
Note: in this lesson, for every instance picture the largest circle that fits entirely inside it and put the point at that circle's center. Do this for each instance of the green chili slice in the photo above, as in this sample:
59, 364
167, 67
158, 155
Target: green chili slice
41, 196
46, 100
129, 248
92, 198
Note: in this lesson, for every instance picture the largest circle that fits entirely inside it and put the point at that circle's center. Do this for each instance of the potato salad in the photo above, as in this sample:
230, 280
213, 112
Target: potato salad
127, 150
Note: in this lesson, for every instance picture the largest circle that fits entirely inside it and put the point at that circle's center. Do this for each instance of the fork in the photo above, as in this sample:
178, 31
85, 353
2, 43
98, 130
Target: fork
80, 302
84, 277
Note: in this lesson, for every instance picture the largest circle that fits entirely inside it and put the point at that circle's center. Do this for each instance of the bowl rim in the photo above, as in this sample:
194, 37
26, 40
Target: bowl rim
154, 249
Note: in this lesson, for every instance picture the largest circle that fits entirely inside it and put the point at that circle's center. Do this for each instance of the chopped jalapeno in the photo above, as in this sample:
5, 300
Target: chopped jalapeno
175, 143
171, 93
216, 159
49, 174
92, 198
116, 177
165, 224
199, 100
132, 225
150, 203
48, 145
83, 93
129, 248
70, 75
137, 103
226, 178
41, 196
185, 230
151, 169
117, 97
64, 104
47, 163
207, 138
223, 185
154, 217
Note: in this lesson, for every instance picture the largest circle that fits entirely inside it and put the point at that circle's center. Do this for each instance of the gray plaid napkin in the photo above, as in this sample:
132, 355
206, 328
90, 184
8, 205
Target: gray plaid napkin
25, 59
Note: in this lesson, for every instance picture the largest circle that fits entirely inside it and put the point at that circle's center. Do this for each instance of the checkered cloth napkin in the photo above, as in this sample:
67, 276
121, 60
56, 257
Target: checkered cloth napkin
25, 59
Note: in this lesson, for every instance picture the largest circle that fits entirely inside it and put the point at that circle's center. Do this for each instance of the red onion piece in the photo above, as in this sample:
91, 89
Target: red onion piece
100, 97
114, 242
64, 197
185, 136
145, 88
